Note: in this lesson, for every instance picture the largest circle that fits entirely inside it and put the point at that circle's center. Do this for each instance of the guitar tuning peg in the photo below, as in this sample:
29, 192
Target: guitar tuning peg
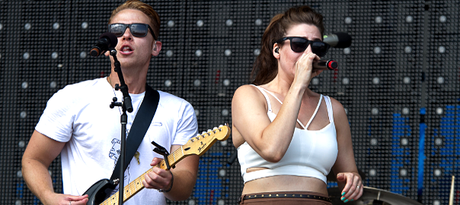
196, 137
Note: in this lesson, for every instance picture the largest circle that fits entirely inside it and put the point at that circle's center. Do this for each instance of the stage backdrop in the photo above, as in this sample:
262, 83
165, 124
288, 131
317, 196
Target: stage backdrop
399, 82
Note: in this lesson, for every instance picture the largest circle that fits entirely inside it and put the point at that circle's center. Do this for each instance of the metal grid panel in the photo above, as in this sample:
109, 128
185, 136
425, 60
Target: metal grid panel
398, 82
442, 110
377, 82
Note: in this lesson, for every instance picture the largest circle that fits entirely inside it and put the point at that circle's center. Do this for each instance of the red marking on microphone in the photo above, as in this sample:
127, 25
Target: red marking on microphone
333, 66
102, 74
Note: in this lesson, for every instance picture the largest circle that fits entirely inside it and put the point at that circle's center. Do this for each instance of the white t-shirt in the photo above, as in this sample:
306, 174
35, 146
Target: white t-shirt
79, 114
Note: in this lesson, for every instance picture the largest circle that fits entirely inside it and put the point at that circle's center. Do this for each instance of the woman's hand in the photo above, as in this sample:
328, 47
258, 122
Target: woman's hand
353, 186
304, 67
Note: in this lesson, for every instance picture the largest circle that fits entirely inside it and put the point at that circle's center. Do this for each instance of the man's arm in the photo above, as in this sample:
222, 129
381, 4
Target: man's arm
39, 154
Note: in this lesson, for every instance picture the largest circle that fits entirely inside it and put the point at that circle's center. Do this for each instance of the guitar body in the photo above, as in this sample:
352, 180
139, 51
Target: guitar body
99, 191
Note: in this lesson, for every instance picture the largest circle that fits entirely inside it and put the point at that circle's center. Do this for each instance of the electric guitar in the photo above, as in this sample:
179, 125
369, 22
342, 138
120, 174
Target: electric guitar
99, 192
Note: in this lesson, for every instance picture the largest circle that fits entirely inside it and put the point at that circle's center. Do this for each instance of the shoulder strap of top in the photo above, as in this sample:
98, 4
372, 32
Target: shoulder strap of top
330, 111
316, 111
273, 95
266, 97
304, 127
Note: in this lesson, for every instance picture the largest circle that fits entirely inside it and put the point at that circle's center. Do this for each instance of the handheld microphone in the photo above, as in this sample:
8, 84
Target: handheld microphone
106, 40
337, 40
325, 65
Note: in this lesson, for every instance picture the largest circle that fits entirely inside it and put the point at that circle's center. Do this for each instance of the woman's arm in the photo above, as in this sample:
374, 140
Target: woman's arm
348, 177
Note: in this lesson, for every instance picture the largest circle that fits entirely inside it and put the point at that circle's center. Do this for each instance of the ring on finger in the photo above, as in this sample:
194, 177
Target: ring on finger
357, 186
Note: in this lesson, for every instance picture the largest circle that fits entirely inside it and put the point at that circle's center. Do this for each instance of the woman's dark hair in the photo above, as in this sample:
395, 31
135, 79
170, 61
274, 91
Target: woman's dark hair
265, 67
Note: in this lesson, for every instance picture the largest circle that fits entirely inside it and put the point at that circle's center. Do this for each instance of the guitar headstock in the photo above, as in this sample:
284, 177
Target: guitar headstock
201, 143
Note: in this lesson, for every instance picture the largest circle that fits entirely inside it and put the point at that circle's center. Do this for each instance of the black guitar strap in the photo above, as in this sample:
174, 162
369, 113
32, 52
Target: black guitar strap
140, 125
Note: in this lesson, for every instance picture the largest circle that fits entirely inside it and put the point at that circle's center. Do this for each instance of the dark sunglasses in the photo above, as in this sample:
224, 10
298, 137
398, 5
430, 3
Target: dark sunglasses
137, 29
299, 44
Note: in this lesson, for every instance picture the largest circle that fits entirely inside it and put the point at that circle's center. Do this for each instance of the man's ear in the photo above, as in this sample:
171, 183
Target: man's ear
156, 48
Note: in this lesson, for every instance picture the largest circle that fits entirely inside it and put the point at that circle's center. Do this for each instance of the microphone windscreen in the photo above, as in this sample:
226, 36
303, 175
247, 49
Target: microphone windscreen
113, 40
344, 40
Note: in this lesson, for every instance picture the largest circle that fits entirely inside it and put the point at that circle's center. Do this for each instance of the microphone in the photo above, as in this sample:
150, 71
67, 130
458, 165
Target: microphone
337, 40
325, 65
106, 40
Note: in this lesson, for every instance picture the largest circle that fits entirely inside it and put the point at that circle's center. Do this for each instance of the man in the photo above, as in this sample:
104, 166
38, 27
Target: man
79, 124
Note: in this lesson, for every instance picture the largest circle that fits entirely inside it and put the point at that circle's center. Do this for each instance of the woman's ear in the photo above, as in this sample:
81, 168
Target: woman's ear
276, 50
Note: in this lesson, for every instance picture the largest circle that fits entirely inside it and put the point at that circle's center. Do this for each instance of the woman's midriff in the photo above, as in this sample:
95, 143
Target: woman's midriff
285, 183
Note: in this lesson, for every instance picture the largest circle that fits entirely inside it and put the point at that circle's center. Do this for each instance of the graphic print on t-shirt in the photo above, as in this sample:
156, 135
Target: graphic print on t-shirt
115, 151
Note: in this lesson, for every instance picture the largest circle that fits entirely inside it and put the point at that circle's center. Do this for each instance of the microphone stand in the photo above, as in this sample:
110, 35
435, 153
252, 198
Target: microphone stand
126, 106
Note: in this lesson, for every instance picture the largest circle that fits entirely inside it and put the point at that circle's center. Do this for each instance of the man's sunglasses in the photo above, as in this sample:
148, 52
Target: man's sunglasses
299, 44
137, 29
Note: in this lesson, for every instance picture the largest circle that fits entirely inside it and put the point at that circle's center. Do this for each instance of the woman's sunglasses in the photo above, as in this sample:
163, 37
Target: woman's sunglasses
299, 44
137, 29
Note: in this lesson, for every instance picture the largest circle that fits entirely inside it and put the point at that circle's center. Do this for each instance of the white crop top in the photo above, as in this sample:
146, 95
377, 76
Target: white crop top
312, 153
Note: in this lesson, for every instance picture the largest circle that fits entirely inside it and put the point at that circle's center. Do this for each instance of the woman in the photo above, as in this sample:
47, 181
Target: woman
289, 137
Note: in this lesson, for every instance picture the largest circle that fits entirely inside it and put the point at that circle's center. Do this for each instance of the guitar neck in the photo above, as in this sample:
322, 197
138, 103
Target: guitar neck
135, 186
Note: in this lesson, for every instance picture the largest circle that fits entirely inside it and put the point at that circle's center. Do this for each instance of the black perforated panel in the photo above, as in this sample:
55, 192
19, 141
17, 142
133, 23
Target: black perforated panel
399, 82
